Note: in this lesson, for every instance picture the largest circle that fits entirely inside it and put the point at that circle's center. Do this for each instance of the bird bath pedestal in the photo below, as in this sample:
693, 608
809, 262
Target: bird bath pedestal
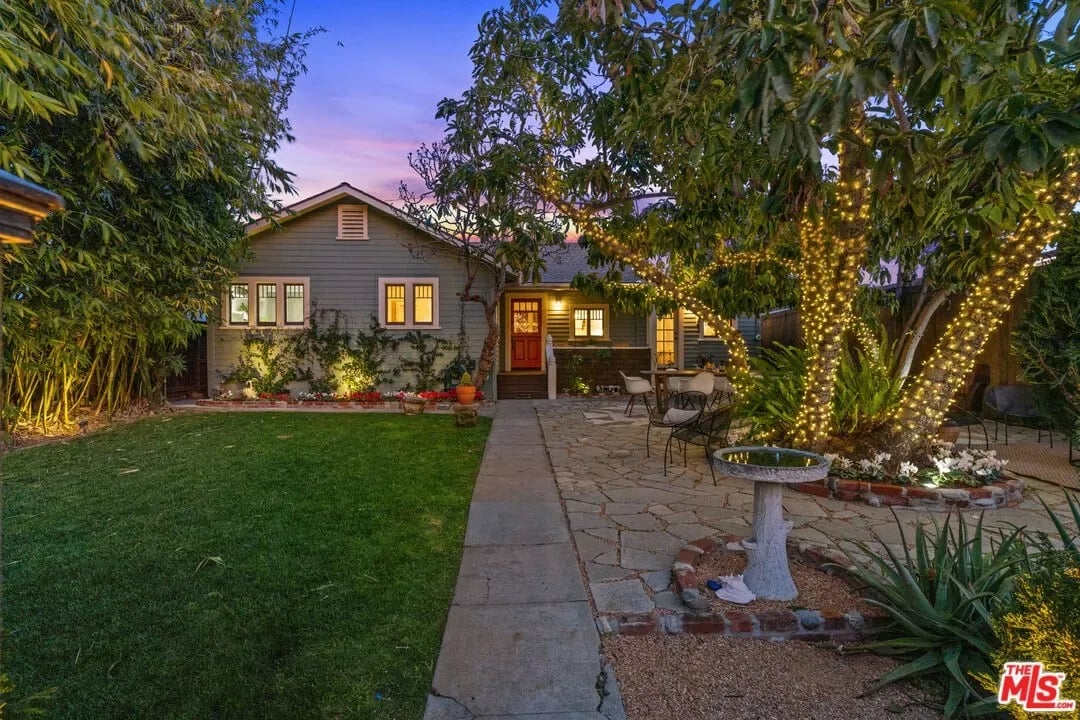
767, 572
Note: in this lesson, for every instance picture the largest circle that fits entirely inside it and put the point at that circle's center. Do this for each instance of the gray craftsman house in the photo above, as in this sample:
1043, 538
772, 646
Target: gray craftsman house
346, 250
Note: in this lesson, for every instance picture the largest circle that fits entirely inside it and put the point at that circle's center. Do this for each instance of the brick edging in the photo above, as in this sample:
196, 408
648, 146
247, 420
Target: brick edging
825, 625
391, 405
996, 495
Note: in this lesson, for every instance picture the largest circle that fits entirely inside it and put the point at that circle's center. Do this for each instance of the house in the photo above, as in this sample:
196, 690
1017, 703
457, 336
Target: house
346, 250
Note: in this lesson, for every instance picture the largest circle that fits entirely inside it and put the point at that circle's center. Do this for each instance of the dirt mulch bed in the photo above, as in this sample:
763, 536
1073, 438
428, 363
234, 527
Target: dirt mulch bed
708, 677
818, 590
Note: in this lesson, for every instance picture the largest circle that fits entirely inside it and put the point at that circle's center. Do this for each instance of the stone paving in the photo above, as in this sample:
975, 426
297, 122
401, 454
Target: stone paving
628, 520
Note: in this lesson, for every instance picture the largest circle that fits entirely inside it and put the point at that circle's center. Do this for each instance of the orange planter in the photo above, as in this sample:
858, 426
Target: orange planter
466, 394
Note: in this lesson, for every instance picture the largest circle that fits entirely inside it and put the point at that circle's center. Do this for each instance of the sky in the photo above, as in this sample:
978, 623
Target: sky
373, 82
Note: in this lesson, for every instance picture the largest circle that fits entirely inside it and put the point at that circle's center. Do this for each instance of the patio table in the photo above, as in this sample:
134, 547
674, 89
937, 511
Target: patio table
770, 468
662, 376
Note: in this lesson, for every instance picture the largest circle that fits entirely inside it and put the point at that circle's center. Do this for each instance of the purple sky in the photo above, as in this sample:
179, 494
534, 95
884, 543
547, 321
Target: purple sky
365, 104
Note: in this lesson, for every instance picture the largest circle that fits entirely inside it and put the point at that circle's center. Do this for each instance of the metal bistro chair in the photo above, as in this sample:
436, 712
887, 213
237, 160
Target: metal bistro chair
683, 410
709, 431
1016, 401
966, 417
636, 387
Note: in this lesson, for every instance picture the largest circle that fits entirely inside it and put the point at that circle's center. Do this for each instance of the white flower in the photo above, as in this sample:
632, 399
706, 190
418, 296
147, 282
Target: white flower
882, 458
943, 465
908, 469
831, 457
841, 463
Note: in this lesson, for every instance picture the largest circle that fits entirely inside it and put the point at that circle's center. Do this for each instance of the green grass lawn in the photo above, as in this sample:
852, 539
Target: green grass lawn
237, 565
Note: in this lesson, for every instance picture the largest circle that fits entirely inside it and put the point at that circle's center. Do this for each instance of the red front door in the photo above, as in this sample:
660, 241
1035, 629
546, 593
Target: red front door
525, 345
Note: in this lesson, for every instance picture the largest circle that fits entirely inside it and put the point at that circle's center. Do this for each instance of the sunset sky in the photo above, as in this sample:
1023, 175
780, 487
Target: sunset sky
366, 103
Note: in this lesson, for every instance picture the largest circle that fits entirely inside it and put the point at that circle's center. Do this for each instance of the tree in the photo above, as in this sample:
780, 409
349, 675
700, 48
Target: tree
804, 142
475, 199
157, 123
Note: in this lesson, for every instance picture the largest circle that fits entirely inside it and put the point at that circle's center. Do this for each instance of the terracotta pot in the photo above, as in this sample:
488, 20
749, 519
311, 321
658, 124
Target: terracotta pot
949, 433
466, 394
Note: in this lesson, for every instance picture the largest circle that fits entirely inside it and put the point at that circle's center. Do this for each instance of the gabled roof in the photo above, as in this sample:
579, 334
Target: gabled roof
329, 197
565, 261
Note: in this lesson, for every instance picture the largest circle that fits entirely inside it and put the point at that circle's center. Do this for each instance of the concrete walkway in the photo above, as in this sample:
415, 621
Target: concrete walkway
520, 639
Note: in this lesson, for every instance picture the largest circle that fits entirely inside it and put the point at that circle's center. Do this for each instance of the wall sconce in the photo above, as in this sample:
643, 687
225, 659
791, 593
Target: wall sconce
556, 304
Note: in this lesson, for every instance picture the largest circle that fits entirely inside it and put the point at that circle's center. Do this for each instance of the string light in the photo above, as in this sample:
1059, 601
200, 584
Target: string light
923, 407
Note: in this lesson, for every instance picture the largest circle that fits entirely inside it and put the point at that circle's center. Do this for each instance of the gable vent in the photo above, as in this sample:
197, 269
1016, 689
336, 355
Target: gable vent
352, 222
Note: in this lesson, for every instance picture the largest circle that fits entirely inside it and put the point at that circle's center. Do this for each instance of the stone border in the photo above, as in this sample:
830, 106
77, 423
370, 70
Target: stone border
824, 625
995, 495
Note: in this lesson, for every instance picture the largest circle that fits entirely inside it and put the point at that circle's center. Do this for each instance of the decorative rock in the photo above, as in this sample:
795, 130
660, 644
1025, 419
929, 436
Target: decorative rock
855, 620
809, 619
694, 600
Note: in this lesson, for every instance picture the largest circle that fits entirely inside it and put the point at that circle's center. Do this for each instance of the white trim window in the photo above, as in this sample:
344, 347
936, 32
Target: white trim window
589, 322
709, 332
352, 222
267, 302
409, 303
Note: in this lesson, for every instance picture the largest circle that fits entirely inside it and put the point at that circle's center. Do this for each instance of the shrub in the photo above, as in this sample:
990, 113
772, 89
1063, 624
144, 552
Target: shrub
427, 350
1047, 338
941, 598
267, 363
1042, 623
865, 392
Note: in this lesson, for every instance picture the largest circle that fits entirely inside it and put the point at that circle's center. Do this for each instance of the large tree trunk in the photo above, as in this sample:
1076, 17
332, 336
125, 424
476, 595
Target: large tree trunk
925, 402
491, 342
832, 255
919, 321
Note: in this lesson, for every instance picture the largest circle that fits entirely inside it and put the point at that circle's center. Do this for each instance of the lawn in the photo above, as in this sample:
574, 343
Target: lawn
237, 565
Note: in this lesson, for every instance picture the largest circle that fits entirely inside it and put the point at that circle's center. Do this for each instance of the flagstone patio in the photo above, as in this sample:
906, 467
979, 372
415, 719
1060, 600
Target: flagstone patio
628, 519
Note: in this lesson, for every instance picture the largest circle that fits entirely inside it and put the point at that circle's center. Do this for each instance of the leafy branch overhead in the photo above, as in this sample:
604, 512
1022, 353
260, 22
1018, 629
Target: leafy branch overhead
743, 155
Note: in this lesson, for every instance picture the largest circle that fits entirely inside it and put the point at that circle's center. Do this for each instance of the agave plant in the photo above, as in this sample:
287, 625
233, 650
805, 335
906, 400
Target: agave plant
941, 596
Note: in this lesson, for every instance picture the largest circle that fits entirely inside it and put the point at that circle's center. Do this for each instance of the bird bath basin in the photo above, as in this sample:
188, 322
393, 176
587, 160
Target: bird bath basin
769, 468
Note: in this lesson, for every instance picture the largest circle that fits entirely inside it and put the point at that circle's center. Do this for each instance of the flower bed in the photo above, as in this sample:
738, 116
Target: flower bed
953, 478
372, 399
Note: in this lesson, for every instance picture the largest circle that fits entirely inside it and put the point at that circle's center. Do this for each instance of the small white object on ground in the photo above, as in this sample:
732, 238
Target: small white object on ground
735, 590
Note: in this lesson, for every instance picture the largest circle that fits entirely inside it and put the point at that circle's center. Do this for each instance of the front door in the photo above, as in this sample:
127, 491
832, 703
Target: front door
525, 345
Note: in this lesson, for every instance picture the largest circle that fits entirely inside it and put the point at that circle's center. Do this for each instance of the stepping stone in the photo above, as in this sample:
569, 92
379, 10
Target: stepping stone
642, 521
643, 560
614, 508
658, 580
623, 596
657, 542
587, 521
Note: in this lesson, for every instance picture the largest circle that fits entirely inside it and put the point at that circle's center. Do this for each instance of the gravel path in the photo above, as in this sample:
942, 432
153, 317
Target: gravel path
699, 677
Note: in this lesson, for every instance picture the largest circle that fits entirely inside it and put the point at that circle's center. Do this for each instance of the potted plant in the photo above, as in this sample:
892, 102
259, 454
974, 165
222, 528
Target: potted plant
466, 391
412, 403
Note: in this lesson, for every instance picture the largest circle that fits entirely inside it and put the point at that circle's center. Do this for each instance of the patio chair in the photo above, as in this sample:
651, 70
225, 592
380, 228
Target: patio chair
1016, 401
723, 392
683, 409
636, 387
709, 431
703, 382
966, 415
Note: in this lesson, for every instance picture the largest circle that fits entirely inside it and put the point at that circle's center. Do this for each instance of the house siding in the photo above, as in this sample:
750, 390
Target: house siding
695, 346
344, 275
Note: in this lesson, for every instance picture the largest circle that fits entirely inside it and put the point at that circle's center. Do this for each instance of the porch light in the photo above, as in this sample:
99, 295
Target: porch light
557, 304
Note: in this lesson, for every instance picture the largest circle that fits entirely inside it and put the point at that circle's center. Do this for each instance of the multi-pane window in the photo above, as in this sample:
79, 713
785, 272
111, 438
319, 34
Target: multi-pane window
267, 308
294, 304
708, 330
590, 322
266, 302
407, 303
395, 304
238, 304
665, 340
423, 304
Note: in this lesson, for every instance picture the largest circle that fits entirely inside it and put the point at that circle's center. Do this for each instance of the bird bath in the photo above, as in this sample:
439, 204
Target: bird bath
769, 468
